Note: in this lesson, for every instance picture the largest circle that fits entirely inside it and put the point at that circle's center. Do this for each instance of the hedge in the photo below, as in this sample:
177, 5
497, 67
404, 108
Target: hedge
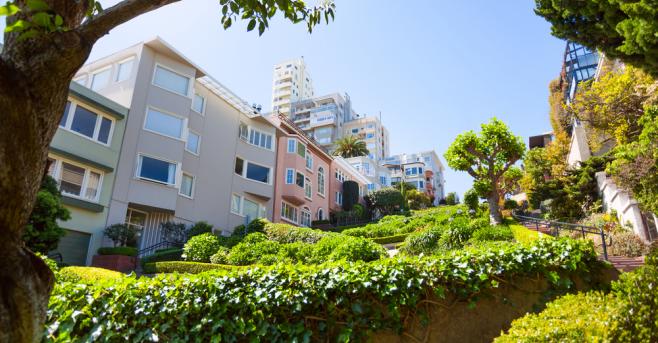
126, 251
184, 267
87, 274
170, 254
391, 239
336, 301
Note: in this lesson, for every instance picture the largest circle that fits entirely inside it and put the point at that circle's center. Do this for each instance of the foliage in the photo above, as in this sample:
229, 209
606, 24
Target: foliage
174, 254
250, 251
418, 200
637, 320
423, 242
510, 204
357, 249
42, 233
493, 233
174, 232
200, 248
635, 167
350, 194
391, 239
627, 244
583, 317
199, 228
49, 262
386, 200
652, 256
121, 234
275, 303
611, 107
472, 200
524, 235
220, 257
486, 157
350, 146
285, 233
125, 251
451, 199
88, 275
185, 267
621, 29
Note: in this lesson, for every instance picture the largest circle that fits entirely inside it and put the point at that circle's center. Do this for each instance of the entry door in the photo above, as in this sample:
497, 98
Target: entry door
137, 220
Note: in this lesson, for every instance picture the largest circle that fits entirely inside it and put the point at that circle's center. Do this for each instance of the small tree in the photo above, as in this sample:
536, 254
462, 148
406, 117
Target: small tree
386, 201
174, 232
418, 200
350, 146
471, 200
451, 199
486, 157
120, 234
199, 228
42, 232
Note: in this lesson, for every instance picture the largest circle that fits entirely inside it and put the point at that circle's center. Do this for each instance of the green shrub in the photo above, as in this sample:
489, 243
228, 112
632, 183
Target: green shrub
297, 252
220, 257
49, 262
252, 251
199, 228
652, 257
229, 241
510, 204
185, 267
257, 225
479, 223
391, 239
637, 320
459, 231
583, 317
357, 249
275, 303
493, 233
121, 234
169, 254
627, 244
284, 233
126, 251
423, 242
471, 200
200, 248
88, 275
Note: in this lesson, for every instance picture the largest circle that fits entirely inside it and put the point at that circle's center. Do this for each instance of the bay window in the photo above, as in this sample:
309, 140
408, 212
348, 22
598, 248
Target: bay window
100, 79
198, 103
193, 143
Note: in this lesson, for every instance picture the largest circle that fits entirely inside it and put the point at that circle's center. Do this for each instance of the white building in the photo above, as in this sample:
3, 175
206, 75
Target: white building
378, 176
323, 117
291, 83
424, 170
373, 132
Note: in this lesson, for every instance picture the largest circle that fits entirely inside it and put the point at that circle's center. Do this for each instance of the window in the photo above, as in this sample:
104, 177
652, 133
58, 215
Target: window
309, 162
153, 169
300, 180
261, 139
239, 166
308, 190
86, 123
198, 103
340, 176
124, 69
370, 135
81, 80
250, 209
163, 123
382, 180
171, 81
100, 79
301, 149
371, 187
355, 130
236, 203
75, 180
243, 131
320, 214
306, 217
187, 185
292, 145
339, 198
290, 176
193, 143
321, 181
252, 171
288, 212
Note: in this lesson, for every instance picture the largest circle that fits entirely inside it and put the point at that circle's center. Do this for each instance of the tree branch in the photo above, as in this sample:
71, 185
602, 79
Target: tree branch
116, 15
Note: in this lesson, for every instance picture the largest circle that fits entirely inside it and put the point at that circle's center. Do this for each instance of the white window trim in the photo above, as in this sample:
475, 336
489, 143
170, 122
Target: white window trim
288, 146
98, 71
309, 183
97, 127
190, 85
193, 185
83, 77
321, 190
185, 123
305, 210
177, 176
245, 165
308, 157
203, 109
248, 139
198, 152
286, 219
58, 172
294, 175
116, 73
239, 213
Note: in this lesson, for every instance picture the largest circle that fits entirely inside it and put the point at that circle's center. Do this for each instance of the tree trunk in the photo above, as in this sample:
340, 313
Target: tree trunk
495, 217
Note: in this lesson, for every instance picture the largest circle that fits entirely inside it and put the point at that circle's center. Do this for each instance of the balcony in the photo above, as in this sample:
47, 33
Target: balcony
293, 194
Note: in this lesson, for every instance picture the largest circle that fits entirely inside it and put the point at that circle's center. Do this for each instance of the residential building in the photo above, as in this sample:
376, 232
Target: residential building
579, 64
193, 150
291, 83
540, 141
372, 132
83, 158
378, 176
423, 170
303, 172
323, 117
342, 171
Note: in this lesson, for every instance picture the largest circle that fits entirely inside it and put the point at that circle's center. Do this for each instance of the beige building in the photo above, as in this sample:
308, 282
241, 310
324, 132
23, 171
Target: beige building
371, 131
192, 151
291, 82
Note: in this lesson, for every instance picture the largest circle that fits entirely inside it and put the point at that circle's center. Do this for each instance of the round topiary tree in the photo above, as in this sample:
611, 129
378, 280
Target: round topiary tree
200, 248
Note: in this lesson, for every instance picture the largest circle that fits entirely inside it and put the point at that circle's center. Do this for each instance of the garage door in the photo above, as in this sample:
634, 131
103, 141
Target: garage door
73, 247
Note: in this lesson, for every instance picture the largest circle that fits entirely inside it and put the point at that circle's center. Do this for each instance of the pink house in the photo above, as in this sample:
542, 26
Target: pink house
342, 171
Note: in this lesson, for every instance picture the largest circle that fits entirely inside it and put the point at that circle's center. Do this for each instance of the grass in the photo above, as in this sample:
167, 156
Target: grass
524, 235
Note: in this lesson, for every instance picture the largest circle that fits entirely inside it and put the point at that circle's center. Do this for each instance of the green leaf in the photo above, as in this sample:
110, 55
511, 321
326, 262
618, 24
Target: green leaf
251, 25
261, 28
9, 9
38, 5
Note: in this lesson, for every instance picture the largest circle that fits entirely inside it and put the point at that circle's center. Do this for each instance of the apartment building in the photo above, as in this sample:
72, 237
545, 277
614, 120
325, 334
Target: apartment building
193, 150
83, 158
372, 132
291, 83
323, 117
342, 171
423, 170
378, 175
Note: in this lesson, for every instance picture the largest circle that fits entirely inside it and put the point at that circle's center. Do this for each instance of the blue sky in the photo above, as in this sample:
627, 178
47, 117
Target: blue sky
434, 68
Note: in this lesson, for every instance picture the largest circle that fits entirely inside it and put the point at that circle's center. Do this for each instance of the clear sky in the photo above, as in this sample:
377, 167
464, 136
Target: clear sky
434, 68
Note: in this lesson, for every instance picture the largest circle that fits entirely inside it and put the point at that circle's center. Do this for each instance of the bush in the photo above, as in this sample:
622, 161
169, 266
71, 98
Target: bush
88, 275
274, 303
583, 317
121, 234
200, 248
510, 204
174, 232
471, 200
637, 320
220, 257
199, 228
386, 201
391, 239
42, 233
49, 262
627, 244
125, 251
358, 249
252, 251
652, 257
493, 233
185, 267
459, 231
284, 233
297, 252
169, 254
423, 242
257, 225
229, 241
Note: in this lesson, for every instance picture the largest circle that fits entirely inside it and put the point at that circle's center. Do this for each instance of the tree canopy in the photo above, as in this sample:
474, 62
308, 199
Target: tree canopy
486, 156
350, 146
623, 29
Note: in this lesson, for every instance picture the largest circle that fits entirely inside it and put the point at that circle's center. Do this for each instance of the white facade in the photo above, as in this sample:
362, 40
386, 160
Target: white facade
323, 117
372, 132
378, 176
423, 169
291, 82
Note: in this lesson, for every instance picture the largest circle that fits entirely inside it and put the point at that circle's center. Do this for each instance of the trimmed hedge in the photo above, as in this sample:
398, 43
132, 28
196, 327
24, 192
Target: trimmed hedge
169, 254
493, 233
185, 267
391, 239
335, 302
89, 275
126, 251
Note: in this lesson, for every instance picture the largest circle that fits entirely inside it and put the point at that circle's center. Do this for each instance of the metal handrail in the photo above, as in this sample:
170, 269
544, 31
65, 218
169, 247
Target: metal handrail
555, 226
163, 244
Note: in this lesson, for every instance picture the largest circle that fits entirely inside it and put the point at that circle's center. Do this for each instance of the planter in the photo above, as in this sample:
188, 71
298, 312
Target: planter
120, 263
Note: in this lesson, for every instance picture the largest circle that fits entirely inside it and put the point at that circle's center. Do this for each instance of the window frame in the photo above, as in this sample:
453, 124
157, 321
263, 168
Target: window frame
321, 174
198, 145
203, 104
308, 188
190, 84
296, 212
308, 158
240, 197
193, 188
245, 167
97, 127
305, 211
184, 124
294, 150
290, 172
251, 132
57, 172
177, 173
98, 71
118, 69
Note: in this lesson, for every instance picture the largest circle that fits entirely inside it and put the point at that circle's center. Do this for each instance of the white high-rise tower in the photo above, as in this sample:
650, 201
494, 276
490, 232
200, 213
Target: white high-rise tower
291, 83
